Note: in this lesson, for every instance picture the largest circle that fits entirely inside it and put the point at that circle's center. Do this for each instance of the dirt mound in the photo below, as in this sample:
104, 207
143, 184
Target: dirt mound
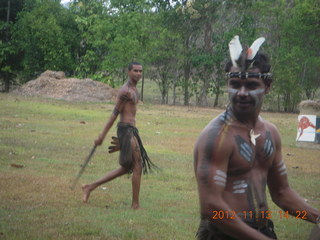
55, 85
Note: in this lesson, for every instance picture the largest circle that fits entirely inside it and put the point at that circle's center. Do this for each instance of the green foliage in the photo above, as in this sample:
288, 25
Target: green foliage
45, 35
183, 44
294, 48
9, 59
111, 36
164, 58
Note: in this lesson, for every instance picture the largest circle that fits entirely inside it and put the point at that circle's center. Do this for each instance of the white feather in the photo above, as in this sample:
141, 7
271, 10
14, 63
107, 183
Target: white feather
235, 49
254, 48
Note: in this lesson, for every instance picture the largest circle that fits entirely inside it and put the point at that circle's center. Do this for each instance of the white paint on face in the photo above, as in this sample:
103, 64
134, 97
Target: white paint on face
252, 93
255, 95
232, 93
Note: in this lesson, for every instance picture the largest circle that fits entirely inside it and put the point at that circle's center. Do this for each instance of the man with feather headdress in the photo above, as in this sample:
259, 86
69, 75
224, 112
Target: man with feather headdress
238, 155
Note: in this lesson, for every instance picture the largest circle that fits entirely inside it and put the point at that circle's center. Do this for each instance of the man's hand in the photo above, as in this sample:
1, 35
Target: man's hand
99, 140
115, 145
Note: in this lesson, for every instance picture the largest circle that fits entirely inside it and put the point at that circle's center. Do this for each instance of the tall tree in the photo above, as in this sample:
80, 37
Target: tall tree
9, 59
46, 37
163, 57
95, 32
293, 41
188, 31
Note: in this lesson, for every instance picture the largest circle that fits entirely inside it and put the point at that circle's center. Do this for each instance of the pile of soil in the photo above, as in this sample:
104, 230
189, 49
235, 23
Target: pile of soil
311, 107
52, 84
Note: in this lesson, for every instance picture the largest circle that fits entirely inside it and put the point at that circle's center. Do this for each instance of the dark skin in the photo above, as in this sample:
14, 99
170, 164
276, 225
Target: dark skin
126, 107
233, 168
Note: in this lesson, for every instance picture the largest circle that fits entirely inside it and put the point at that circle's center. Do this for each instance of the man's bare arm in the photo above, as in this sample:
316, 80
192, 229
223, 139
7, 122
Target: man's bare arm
122, 99
282, 194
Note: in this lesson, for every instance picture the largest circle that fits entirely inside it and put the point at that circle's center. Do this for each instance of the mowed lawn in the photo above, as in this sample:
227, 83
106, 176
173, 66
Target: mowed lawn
43, 142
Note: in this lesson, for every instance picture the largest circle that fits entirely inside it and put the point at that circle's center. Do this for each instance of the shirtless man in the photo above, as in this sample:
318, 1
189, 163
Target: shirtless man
133, 157
237, 155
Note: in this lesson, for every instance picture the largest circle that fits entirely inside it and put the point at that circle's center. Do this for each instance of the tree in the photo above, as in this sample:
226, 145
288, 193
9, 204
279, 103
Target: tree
163, 57
8, 56
45, 35
185, 16
131, 35
294, 46
95, 33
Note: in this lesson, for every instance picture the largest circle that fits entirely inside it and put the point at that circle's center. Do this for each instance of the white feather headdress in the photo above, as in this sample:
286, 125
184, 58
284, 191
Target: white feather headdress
237, 52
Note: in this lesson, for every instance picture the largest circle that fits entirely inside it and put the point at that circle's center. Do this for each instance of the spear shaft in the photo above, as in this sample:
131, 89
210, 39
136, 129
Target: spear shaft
84, 166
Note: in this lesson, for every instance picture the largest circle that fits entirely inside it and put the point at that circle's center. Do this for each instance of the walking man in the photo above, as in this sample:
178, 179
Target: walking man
133, 157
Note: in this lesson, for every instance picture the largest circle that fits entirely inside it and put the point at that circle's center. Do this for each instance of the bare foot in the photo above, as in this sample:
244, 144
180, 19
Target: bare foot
86, 193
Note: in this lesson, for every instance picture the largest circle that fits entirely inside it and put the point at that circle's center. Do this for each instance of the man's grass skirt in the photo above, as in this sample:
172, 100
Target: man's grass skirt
125, 134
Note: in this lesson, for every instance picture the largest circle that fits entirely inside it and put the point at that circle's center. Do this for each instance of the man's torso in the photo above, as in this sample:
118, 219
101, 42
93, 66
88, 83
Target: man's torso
130, 98
248, 164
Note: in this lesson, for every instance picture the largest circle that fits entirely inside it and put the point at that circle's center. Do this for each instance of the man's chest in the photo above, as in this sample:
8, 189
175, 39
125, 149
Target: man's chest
251, 153
134, 96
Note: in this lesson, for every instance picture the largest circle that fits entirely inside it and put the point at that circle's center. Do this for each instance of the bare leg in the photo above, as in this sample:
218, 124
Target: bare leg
136, 175
88, 188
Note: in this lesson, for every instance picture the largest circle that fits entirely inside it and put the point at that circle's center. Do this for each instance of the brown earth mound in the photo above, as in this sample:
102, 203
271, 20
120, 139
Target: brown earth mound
310, 107
55, 85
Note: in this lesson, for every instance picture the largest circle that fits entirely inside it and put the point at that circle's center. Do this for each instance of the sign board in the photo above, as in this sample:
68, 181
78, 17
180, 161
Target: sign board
308, 129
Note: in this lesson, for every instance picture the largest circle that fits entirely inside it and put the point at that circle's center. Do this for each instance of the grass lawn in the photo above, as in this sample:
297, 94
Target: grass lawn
50, 139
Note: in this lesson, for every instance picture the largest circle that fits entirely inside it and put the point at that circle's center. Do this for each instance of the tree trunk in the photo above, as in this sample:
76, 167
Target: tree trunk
174, 87
6, 75
6, 82
203, 100
8, 19
167, 97
216, 99
186, 84
142, 86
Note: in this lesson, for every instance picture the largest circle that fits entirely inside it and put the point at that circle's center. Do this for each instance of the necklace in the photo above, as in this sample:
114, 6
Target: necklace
253, 136
231, 117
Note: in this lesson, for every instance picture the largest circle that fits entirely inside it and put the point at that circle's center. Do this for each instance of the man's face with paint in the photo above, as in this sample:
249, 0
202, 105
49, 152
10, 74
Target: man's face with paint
246, 95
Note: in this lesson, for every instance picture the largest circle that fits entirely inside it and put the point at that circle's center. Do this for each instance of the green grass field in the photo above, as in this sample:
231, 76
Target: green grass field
50, 139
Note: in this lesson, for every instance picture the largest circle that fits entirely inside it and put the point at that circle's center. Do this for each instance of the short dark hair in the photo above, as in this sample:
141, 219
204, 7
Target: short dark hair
130, 66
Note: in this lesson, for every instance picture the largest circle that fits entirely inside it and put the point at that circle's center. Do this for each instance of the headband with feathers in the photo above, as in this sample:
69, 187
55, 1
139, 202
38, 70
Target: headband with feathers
243, 58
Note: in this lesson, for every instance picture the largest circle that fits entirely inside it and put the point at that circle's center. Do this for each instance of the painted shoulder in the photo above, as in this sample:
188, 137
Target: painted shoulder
211, 131
269, 125
124, 94
272, 128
